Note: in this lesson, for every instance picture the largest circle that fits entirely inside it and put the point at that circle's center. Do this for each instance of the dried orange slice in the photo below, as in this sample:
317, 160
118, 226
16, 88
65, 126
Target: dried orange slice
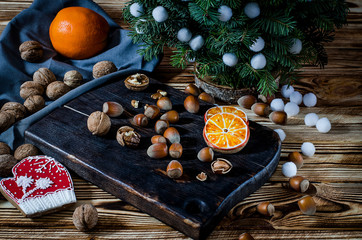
226, 109
226, 133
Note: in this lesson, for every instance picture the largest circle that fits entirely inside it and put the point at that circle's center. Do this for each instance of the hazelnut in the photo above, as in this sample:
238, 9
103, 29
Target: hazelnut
172, 135
112, 109
171, 116
266, 99
260, 109
307, 205
6, 120
246, 101
299, 184
157, 150
158, 139
25, 150
156, 96
266, 208
192, 89
56, 89
34, 103
99, 123
206, 154
30, 88
137, 82
278, 117
73, 78
135, 103
245, 236
140, 120
296, 158
126, 136
44, 76
164, 103
175, 150
174, 169
221, 166
206, 97
161, 126
16, 109
201, 176
7, 162
31, 51
103, 68
152, 111
85, 217
192, 104
4, 148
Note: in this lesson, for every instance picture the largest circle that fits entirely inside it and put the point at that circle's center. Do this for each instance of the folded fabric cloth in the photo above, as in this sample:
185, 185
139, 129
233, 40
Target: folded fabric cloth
33, 24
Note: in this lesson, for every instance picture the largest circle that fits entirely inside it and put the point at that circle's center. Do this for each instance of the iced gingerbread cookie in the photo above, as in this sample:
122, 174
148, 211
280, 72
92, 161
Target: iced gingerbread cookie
40, 185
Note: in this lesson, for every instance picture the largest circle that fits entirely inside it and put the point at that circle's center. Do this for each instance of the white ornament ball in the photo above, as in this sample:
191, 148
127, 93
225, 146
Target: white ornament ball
258, 45
296, 48
136, 10
289, 169
323, 125
308, 149
291, 109
311, 119
191, 60
281, 134
138, 26
252, 10
287, 91
225, 13
277, 104
258, 61
160, 14
296, 97
310, 100
197, 42
230, 59
184, 35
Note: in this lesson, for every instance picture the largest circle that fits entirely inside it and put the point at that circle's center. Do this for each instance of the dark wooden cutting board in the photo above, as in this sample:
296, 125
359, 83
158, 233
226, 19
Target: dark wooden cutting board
191, 206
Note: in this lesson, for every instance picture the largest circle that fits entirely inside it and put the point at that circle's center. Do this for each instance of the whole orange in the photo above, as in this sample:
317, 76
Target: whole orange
78, 32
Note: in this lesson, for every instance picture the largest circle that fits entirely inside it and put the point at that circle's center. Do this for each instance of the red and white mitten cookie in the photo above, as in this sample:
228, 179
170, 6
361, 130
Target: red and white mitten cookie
40, 185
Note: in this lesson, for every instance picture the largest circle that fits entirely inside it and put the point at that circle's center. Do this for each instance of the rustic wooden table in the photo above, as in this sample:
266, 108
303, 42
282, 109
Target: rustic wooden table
335, 170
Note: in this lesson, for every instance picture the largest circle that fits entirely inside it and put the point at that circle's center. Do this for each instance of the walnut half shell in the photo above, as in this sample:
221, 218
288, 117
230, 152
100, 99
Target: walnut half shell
137, 82
126, 136
221, 166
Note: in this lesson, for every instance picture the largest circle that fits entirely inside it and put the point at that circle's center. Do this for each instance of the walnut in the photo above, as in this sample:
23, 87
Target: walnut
25, 150
126, 136
85, 217
73, 78
56, 89
31, 51
30, 88
34, 103
4, 148
7, 162
137, 82
44, 77
15, 108
103, 68
99, 123
6, 120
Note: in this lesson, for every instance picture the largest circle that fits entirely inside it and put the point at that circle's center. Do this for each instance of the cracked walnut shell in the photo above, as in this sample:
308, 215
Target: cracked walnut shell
137, 82
126, 136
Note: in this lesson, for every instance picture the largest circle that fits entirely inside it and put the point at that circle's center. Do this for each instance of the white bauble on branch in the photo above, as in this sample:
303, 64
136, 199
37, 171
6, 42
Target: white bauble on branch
197, 42
230, 59
258, 61
296, 47
139, 27
160, 14
252, 10
286, 90
136, 9
258, 45
184, 35
225, 13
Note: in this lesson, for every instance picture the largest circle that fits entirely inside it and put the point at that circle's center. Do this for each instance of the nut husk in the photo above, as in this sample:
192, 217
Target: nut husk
99, 123
4, 148
25, 150
34, 103
30, 88
44, 77
56, 89
201, 176
103, 68
15, 108
73, 78
6, 120
31, 51
137, 82
221, 166
85, 217
126, 136
7, 162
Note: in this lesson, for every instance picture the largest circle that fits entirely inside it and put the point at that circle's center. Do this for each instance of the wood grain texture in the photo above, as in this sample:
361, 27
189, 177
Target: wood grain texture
334, 170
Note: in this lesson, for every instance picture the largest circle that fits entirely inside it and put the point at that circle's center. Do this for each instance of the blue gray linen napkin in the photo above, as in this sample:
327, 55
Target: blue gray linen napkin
33, 24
